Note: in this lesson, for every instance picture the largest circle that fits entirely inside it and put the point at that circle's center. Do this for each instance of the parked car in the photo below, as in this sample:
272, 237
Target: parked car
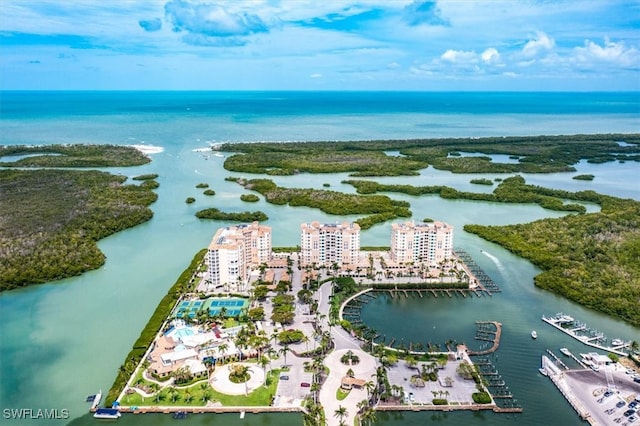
305, 384
284, 377
620, 404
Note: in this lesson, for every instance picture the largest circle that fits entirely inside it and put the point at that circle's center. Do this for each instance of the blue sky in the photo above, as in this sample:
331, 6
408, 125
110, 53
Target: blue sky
320, 45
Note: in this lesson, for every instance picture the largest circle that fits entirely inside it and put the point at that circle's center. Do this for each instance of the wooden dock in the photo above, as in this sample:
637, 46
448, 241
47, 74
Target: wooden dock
495, 340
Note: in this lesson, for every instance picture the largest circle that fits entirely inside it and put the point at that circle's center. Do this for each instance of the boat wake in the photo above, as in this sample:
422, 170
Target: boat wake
148, 149
494, 260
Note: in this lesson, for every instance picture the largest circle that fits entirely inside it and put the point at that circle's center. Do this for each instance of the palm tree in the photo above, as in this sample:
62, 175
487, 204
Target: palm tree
222, 349
154, 389
173, 392
370, 387
263, 361
305, 339
368, 416
340, 413
284, 351
187, 396
362, 405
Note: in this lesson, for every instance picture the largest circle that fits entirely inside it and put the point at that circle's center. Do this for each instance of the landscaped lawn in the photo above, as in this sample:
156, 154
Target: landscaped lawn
198, 395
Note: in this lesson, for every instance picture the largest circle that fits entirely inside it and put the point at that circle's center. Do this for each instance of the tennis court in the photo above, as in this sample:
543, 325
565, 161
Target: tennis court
213, 306
232, 306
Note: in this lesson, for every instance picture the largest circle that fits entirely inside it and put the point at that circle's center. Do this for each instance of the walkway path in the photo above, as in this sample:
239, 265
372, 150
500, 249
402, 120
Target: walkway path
220, 380
363, 370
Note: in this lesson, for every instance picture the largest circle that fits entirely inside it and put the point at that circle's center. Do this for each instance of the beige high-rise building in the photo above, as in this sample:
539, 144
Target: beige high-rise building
234, 250
425, 242
329, 243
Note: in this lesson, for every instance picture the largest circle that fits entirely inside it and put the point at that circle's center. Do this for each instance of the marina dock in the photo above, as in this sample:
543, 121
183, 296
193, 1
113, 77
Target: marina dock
582, 333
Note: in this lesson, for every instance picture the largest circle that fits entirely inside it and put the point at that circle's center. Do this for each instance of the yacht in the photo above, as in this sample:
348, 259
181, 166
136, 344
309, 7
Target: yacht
534, 335
565, 351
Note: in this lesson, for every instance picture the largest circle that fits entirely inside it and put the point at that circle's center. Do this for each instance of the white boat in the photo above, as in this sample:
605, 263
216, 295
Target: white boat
565, 351
617, 342
543, 371
534, 335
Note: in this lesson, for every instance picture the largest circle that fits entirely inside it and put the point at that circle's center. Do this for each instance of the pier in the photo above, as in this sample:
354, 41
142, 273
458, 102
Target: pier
557, 360
592, 339
486, 334
483, 280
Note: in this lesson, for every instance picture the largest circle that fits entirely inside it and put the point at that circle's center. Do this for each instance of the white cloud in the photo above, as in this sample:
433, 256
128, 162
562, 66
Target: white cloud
611, 53
490, 56
539, 45
459, 56
315, 75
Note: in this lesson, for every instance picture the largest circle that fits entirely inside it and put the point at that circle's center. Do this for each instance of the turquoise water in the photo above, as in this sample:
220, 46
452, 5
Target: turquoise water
62, 341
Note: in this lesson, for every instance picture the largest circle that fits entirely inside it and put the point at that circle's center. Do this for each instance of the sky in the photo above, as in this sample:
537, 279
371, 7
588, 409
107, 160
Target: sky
414, 45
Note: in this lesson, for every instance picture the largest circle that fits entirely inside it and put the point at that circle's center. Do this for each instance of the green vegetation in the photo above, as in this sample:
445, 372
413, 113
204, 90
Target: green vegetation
342, 394
481, 397
427, 220
209, 192
215, 214
50, 221
199, 394
184, 283
256, 314
535, 154
202, 185
379, 207
150, 184
591, 259
320, 159
375, 248
148, 176
250, 198
326, 185
488, 182
282, 308
77, 155
583, 177
290, 336
285, 249
510, 190
440, 401
190, 200
239, 373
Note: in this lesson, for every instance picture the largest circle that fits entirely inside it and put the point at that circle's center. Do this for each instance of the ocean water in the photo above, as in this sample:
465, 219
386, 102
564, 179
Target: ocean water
64, 340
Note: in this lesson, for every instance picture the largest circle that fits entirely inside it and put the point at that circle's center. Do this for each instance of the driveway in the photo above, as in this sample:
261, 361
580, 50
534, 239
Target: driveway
363, 370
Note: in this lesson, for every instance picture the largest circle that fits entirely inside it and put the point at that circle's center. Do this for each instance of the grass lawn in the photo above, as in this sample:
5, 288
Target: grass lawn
198, 394
341, 394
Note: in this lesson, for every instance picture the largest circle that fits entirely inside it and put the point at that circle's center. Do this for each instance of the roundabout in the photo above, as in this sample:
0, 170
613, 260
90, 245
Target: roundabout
221, 382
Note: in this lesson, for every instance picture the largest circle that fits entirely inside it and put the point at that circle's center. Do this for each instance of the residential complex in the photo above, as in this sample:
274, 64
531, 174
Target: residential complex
426, 242
234, 250
329, 243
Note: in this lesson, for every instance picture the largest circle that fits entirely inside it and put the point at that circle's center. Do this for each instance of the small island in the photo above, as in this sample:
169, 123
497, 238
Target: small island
209, 192
215, 214
487, 182
249, 198
583, 177
77, 155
